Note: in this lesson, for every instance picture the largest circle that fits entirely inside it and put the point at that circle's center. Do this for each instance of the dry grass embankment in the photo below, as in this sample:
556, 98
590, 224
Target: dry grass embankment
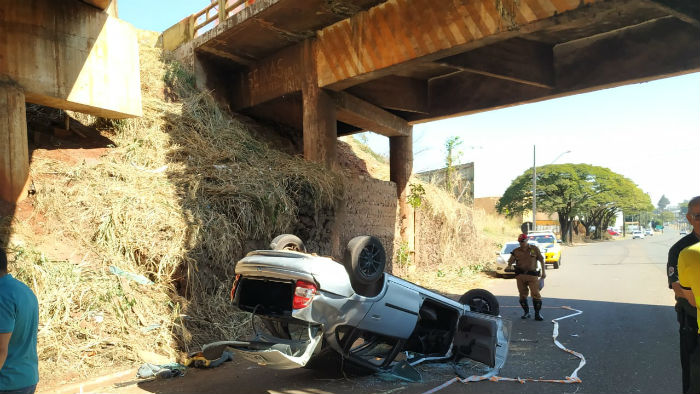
174, 198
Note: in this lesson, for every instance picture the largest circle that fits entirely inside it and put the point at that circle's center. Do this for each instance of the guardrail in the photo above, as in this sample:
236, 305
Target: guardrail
201, 22
221, 9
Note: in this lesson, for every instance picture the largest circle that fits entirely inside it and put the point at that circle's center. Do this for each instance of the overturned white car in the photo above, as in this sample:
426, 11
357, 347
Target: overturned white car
312, 305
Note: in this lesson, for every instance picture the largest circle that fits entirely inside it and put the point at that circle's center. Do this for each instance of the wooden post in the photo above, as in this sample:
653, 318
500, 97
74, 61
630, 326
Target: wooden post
319, 118
14, 152
222, 11
400, 167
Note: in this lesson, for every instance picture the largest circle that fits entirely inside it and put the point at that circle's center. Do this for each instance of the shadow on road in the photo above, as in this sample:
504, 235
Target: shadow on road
628, 348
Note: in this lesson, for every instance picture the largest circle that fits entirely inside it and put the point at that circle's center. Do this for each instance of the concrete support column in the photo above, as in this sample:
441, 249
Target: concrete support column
319, 118
401, 166
14, 152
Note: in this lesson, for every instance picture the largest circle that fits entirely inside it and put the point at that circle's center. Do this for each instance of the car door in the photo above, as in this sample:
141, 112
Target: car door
482, 338
395, 313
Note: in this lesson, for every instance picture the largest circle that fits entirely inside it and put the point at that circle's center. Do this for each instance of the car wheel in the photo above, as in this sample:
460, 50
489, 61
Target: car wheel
365, 260
556, 264
482, 301
288, 242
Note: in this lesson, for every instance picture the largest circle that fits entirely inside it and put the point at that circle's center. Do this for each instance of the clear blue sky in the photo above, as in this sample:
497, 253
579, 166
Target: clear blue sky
648, 132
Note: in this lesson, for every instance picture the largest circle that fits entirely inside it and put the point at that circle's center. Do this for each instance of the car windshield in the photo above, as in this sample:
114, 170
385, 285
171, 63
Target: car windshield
509, 248
543, 239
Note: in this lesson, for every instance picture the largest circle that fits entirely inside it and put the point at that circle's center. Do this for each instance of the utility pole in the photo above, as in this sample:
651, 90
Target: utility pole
534, 190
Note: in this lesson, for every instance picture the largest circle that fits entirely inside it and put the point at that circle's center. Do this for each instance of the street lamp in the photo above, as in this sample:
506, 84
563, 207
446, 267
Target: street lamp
534, 184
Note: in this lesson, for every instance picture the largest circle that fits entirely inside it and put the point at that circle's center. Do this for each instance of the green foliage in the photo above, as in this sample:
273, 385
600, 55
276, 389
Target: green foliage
663, 202
416, 194
593, 193
452, 157
178, 80
476, 268
362, 144
403, 255
440, 274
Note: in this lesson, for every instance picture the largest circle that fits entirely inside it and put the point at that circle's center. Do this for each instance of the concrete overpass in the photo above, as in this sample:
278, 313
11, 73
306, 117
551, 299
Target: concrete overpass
330, 68
69, 54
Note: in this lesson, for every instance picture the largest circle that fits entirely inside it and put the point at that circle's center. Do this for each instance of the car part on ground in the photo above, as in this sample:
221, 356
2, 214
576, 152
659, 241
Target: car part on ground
310, 304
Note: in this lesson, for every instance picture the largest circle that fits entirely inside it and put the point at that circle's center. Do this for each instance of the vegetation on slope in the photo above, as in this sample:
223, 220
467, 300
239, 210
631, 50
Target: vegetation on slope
174, 198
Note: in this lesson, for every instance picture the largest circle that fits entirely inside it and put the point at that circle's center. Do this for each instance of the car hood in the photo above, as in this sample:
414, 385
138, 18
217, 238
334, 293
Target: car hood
549, 246
503, 258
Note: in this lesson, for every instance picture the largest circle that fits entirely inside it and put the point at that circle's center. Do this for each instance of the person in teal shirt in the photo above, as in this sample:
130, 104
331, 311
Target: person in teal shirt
19, 323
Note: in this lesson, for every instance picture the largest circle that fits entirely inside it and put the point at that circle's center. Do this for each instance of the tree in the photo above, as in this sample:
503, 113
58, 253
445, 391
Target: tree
663, 202
594, 194
451, 158
561, 188
613, 193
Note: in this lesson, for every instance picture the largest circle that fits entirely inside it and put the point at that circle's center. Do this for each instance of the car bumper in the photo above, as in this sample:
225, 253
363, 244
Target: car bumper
551, 257
274, 353
501, 270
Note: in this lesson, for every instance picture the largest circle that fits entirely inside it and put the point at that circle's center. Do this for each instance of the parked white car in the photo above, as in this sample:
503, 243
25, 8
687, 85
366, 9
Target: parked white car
637, 234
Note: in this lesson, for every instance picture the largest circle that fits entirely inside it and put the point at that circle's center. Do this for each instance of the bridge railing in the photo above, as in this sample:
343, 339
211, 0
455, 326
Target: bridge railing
200, 22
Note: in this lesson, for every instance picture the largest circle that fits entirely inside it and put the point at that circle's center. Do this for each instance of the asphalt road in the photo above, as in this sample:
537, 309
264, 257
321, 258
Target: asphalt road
627, 334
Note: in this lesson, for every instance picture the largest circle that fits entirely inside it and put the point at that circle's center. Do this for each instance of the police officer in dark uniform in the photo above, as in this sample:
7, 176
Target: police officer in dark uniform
525, 258
686, 313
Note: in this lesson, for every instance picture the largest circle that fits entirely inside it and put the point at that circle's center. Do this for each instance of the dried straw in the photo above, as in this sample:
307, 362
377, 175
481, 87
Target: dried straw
175, 199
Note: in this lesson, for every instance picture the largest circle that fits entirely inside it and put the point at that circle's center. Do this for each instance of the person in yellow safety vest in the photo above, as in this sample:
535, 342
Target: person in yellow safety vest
689, 279
525, 258
686, 313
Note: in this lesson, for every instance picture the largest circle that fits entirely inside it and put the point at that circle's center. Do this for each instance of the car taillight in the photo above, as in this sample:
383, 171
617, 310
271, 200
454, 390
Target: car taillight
303, 294
235, 283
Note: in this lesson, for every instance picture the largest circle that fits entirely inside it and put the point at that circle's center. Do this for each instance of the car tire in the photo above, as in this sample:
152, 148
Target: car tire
365, 260
288, 242
482, 301
556, 264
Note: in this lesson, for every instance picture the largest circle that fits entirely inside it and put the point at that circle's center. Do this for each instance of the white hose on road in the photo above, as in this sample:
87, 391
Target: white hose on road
491, 375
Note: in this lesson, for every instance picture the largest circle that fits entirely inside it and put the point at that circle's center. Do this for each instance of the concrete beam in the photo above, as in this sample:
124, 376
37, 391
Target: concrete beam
369, 44
628, 55
14, 153
273, 77
517, 60
70, 55
352, 110
395, 92
101, 4
400, 167
617, 58
687, 11
318, 114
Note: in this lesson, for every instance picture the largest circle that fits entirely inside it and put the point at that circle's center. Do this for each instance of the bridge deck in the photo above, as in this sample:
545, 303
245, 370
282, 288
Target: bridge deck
421, 60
